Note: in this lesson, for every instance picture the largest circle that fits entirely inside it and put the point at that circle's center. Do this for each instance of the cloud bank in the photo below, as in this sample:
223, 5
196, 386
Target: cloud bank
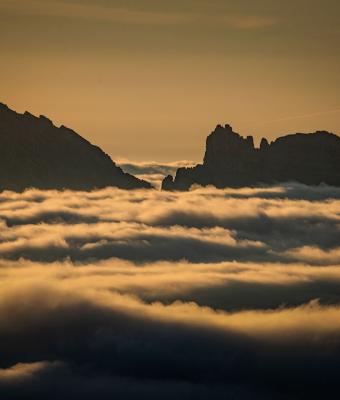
144, 294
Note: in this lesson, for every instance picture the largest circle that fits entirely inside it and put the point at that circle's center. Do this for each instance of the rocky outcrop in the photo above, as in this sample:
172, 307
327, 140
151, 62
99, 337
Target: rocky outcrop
232, 161
35, 153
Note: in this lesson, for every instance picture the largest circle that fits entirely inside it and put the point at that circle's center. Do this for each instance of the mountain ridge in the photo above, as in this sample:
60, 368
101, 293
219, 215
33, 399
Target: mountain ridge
36, 153
232, 160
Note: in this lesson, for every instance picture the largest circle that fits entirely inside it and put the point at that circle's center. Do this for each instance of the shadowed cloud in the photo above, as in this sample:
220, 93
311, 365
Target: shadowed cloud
206, 294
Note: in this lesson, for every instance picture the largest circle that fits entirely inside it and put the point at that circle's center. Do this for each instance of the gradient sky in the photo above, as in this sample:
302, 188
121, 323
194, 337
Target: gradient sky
149, 79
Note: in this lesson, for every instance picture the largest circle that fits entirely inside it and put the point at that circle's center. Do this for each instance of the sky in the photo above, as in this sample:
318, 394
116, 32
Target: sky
149, 80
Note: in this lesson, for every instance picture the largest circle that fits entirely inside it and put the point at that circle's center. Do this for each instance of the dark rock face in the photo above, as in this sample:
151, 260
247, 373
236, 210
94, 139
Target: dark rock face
168, 182
232, 161
35, 153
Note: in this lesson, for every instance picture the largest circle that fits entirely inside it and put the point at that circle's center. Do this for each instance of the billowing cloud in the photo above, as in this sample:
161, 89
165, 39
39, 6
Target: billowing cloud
251, 224
146, 294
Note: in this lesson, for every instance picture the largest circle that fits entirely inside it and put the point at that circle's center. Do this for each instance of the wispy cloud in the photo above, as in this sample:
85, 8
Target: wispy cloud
22, 371
93, 12
135, 15
249, 22
309, 115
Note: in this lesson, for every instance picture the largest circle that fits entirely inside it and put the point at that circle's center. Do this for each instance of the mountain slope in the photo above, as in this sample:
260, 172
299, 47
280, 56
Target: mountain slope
35, 153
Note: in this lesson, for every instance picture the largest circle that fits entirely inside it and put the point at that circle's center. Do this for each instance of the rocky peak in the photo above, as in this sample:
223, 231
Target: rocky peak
45, 120
223, 141
250, 141
231, 160
264, 144
167, 183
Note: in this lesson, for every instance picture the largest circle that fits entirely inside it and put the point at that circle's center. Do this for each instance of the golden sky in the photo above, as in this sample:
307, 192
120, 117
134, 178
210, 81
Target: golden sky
149, 79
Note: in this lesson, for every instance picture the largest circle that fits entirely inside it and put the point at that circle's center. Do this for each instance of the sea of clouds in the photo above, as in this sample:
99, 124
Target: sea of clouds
206, 294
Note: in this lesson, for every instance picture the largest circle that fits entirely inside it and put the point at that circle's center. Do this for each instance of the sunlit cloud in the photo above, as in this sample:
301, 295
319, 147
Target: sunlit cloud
150, 290
23, 371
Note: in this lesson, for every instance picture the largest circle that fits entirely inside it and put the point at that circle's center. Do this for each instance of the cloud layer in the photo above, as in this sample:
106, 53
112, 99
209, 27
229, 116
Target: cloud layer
144, 294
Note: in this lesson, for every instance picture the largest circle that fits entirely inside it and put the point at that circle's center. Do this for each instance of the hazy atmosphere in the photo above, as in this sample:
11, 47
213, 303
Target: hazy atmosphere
169, 199
149, 79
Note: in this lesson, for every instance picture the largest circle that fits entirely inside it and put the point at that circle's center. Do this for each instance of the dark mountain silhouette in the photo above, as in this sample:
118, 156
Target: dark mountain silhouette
35, 153
232, 161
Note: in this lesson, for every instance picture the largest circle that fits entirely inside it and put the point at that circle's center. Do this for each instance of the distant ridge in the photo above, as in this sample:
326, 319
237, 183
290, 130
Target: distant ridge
232, 161
35, 153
